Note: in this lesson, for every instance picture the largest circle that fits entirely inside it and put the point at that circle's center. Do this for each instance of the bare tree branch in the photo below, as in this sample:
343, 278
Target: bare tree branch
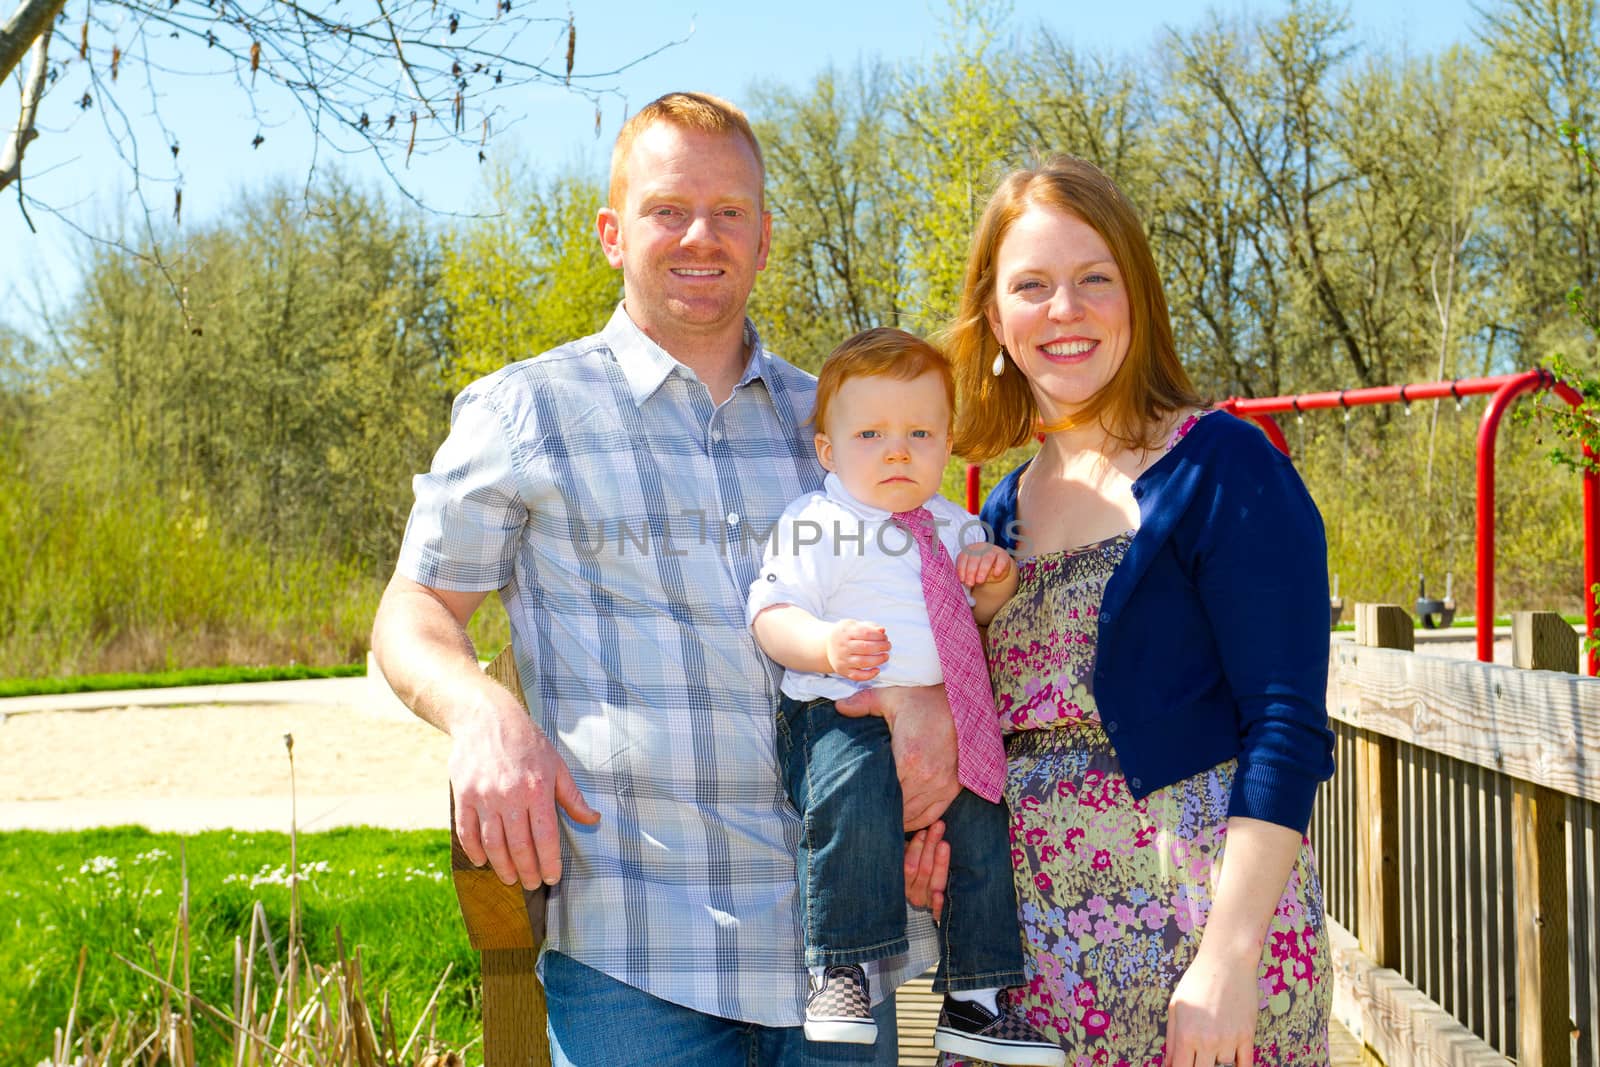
30, 21
358, 79
32, 93
400, 54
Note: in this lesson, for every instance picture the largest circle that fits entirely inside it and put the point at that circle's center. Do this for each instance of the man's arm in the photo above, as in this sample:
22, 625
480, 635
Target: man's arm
506, 774
923, 736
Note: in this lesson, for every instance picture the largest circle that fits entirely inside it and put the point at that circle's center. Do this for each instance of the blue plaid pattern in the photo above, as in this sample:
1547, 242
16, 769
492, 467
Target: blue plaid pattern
622, 516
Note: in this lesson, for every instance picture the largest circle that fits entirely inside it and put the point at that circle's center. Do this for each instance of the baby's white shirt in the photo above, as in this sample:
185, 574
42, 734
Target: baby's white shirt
841, 559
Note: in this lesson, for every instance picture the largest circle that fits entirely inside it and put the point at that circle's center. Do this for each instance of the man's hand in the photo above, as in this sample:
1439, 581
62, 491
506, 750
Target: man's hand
857, 649
923, 737
506, 775
508, 781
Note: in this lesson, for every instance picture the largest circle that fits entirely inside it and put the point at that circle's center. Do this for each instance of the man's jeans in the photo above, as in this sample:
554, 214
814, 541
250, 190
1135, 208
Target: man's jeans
597, 1021
840, 774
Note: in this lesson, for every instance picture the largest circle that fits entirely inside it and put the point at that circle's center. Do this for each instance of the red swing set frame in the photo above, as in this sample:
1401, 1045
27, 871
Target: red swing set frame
1502, 390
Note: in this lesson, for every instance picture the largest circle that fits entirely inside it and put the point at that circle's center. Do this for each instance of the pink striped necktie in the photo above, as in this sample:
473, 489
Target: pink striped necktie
981, 762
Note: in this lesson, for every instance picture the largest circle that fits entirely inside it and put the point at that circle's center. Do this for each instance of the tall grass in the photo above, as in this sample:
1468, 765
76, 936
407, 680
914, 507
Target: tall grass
118, 580
114, 579
376, 935
101, 683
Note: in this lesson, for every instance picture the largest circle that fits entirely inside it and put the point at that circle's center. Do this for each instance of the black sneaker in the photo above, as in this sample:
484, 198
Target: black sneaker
968, 1028
840, 1007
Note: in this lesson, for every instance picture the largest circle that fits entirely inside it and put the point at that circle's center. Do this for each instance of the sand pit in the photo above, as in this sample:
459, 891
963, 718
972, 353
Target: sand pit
359, 759
208, 751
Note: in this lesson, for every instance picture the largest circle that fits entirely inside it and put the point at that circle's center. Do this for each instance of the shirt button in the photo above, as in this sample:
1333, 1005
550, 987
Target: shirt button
716, 435
1111, 727
1135, 783
733, 518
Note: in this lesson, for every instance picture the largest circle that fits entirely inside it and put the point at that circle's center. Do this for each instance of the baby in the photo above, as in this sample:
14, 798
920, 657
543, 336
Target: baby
850, 596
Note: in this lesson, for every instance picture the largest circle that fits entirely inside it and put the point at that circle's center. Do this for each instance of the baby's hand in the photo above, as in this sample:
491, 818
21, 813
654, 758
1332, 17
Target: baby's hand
857, 649
982, 564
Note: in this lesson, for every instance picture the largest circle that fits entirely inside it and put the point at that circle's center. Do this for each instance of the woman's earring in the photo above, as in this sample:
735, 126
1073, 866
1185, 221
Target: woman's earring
998, 367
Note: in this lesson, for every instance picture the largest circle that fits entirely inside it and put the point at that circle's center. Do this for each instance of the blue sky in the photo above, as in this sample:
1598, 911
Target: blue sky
730, 46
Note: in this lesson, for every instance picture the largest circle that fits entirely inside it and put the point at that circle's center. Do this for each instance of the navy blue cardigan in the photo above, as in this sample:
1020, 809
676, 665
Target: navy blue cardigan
1213, 631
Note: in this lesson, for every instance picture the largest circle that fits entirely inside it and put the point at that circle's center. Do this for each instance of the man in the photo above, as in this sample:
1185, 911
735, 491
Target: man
617, 491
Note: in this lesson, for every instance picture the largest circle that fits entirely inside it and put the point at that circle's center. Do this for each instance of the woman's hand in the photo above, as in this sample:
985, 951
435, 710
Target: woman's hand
928, 869
1211, 1017
980, 564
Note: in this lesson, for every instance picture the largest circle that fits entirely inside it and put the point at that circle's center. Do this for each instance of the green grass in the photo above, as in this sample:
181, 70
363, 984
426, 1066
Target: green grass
96, 683
117, 891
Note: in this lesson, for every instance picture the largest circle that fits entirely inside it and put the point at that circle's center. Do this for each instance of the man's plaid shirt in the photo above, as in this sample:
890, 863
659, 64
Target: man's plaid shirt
622, 516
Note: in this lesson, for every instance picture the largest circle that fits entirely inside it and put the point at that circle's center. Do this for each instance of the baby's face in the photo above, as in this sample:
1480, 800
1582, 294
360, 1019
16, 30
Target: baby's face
888, 440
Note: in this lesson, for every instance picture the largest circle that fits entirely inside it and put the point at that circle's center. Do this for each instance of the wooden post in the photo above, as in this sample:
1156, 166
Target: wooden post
1541, 640
1378, 804
506, 925
1385, 626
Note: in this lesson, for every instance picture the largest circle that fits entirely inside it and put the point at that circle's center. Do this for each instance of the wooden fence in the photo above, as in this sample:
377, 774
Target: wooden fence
1458, 846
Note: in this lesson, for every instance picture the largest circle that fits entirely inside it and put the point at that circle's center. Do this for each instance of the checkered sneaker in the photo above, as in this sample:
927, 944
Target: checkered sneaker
840, 1007
968, 1028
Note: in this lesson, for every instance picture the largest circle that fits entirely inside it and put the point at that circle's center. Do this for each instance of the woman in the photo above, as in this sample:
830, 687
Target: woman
1162, 668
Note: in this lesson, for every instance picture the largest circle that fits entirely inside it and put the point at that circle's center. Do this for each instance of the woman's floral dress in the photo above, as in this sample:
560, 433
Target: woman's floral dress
1114, 891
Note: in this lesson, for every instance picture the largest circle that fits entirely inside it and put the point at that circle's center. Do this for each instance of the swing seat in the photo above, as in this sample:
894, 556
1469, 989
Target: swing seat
1435, 614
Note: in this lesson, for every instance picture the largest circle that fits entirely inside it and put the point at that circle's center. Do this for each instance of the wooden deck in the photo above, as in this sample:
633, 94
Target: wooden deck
917, 1007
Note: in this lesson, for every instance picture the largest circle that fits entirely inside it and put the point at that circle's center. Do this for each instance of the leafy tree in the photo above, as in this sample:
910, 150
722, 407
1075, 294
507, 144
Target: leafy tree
526, 275
841, 216
1545, 71
295, 393
1275, 96
959, 133
1213, 235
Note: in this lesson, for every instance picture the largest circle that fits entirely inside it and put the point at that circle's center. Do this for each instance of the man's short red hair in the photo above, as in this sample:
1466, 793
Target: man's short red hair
701, 112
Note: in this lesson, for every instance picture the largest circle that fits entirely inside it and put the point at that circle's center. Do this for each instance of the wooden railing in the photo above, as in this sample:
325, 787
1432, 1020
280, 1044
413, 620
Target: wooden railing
1458, 844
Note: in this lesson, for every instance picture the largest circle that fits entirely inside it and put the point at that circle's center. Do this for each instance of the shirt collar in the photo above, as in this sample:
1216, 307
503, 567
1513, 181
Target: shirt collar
840, 495
645, 364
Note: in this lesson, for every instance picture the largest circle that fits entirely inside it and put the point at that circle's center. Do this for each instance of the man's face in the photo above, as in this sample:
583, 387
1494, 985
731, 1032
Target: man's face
690, 234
